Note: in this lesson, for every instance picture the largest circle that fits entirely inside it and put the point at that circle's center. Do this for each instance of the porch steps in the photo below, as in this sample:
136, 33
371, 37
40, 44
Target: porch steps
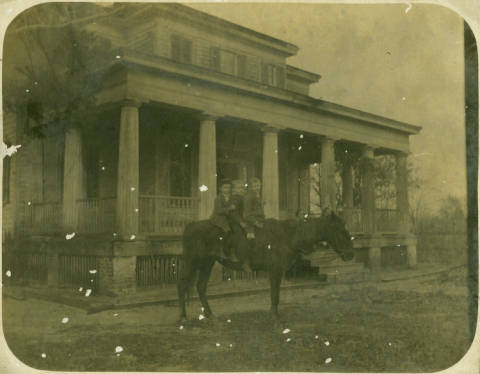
335, 269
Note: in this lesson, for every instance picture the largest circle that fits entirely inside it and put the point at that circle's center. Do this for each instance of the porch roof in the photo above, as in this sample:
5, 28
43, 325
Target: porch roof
325, 118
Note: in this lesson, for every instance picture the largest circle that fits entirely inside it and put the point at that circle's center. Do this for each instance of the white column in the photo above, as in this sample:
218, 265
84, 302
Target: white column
207, 168
270, 173
128, 171
327, 181
73, 178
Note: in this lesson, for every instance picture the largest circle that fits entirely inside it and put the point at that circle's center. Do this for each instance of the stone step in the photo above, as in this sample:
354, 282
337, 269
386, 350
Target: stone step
319, 258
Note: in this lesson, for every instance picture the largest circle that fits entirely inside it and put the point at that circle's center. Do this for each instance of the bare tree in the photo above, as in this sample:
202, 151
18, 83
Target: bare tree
51, 65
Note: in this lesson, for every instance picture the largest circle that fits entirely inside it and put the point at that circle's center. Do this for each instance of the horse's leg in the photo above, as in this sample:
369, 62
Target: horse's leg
202, 282
275, 280
183, 285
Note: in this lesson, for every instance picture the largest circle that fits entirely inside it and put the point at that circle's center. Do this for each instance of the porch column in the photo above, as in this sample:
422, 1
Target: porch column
73, 179
304, 181
128, 171
347, 191
368, 190
327, 174
207, 166
270, 173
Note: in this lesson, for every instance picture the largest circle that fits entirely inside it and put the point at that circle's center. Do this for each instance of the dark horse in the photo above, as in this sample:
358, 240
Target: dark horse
277, 247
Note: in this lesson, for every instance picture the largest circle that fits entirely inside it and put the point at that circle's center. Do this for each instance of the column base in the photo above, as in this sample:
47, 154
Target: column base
412, 255
374, 258
117, 275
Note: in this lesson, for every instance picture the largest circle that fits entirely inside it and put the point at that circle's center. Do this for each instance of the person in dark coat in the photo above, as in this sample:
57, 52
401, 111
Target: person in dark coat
223, 206
238, 193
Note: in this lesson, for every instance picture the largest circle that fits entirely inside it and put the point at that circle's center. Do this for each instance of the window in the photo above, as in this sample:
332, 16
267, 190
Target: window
181, 49
273, 75
229, 62
6, 179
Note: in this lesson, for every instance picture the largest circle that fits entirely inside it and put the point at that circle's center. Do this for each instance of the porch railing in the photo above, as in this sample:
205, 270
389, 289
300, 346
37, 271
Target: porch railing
386, 220
43, 217
166, 214
96, 215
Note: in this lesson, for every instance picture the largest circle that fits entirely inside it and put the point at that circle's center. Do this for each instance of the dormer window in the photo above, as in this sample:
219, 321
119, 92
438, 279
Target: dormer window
229, 62
181, 49
273, 75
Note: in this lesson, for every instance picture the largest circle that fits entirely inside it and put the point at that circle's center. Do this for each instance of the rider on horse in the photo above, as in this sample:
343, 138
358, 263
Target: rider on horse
233, 213
253, 208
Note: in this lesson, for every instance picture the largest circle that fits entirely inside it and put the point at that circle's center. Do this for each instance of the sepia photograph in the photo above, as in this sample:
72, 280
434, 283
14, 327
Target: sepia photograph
239, 187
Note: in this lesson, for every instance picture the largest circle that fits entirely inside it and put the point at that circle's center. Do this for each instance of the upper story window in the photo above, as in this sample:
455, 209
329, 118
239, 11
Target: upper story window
273, 75
181, 49
229, 62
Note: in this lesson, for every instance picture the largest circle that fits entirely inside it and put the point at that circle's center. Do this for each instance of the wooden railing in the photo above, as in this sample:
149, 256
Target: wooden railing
158, 269
96, 215
166, 214
78, 271
386, 220
42, 217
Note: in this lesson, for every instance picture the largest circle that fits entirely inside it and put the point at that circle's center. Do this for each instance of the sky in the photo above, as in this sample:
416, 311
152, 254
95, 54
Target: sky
397, 61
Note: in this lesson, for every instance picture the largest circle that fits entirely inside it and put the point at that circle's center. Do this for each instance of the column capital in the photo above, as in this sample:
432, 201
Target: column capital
270, 129
327, 138
210, 116
368, 151
131, 103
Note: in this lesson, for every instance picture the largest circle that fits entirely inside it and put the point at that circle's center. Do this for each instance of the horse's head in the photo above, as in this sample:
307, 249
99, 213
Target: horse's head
331, 229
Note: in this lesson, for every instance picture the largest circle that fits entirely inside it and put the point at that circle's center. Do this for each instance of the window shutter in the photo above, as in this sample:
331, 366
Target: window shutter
242, 66
175, 44
187, 51
265, 68
215, 58
280, 78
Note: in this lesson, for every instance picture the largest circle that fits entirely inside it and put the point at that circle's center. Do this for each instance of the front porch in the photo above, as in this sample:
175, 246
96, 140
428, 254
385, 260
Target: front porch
163, 215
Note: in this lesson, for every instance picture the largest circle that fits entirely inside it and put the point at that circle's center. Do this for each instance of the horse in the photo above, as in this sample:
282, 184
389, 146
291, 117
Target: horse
276, 248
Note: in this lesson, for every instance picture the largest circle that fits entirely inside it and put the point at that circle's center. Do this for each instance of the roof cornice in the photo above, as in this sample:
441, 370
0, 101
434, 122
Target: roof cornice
212, 23
303, 75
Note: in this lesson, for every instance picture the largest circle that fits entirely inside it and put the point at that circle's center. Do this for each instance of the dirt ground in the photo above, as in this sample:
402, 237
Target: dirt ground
410, 325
